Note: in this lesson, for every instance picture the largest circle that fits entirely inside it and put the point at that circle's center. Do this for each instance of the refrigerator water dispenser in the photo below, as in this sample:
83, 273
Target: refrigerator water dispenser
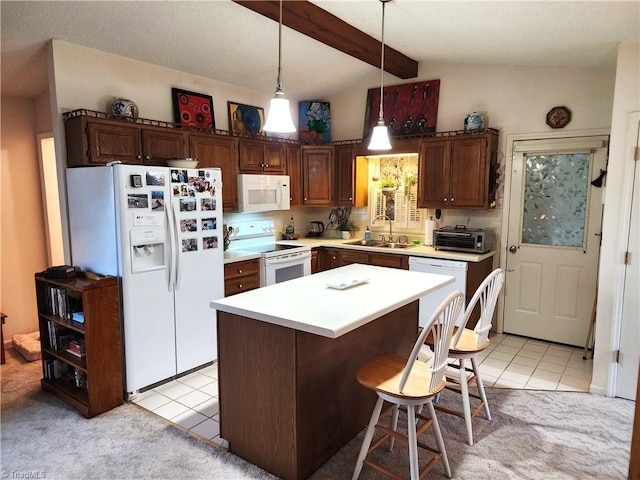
147, 250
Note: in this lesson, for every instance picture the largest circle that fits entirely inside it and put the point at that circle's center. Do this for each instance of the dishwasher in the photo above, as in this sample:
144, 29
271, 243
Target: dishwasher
429, 303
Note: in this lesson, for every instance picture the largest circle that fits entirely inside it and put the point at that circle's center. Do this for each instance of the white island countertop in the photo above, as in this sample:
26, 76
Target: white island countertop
307, 304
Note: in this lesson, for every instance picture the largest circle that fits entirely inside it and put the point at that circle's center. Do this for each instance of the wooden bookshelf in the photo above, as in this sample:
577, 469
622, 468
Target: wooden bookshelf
92, 383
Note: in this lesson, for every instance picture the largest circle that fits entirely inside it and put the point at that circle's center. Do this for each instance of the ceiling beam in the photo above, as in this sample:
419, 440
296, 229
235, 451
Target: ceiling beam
314, 22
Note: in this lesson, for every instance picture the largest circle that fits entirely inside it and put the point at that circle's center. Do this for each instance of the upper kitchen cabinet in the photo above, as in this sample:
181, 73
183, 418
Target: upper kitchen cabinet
97, 141
294, 170
222, 152
458, 171
317, 175
351, 185
259, 156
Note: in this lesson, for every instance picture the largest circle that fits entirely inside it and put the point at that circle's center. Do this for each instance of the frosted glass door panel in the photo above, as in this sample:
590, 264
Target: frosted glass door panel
555, 199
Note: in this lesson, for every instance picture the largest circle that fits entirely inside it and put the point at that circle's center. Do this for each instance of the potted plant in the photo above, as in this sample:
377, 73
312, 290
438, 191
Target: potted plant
389, 184
342, 223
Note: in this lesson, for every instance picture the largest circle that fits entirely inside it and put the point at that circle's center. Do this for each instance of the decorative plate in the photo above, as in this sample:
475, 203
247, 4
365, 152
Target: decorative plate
343, 283
558, 117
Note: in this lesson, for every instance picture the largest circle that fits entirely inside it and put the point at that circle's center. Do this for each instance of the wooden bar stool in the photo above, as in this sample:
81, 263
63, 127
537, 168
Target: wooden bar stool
409, 383
466, 344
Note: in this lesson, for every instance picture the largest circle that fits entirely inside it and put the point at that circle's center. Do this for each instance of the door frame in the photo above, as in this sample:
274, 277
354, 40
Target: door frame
505, 194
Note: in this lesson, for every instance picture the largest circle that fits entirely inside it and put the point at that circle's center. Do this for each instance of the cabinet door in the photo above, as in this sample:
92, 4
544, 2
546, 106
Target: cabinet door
219, 151
314, 260
469, 173
327, 259
274, 158
108, 143
351, 182
261, 157
158, 146
433, 174
389, 260
294, 170
251, 156
317, 172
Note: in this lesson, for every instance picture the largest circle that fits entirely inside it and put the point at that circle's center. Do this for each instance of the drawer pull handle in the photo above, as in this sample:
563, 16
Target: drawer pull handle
240, 286
239, 270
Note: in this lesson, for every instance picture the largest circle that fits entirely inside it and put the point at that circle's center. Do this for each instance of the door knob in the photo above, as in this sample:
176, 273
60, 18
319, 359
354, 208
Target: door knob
513, 249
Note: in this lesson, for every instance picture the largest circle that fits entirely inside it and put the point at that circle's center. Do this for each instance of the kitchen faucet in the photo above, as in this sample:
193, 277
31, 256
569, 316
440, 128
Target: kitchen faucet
390, 226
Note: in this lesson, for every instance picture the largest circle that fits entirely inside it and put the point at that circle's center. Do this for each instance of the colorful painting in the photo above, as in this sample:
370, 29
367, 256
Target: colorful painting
314, 122
245, 119
409, 109
193, 111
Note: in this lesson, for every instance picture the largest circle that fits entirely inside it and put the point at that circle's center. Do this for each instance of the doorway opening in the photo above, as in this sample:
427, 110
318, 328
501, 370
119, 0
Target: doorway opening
50, 198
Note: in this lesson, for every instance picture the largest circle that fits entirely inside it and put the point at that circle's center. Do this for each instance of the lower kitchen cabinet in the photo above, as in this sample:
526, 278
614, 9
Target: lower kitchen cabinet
241, 276
391, 260
327, 258
314, 261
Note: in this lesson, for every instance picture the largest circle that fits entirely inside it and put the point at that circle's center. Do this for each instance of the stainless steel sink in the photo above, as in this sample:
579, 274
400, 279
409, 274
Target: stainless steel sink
366, 243
396, 245
378, 243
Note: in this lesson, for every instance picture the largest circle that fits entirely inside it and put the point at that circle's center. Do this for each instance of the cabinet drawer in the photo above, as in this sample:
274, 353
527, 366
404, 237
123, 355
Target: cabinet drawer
389, 260
241, 284
241, 269
349, 256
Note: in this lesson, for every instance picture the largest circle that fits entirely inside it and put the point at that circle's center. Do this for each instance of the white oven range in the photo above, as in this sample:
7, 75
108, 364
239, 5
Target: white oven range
279, 261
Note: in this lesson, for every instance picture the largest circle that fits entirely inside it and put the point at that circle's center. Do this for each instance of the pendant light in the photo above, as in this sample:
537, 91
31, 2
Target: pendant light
380, 134
279, 119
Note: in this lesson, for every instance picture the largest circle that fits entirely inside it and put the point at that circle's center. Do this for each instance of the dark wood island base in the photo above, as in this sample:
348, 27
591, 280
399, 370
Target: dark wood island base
289, 400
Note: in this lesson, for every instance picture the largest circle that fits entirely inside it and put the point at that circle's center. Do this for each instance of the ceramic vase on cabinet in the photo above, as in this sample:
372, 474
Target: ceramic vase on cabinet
122, 107
474, 122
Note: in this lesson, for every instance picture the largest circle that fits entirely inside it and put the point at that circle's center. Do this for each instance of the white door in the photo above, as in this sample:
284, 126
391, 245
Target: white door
627, 371
553, 239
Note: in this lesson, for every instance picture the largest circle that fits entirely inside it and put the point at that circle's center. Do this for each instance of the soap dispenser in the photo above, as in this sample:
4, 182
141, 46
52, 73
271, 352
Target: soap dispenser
367, 233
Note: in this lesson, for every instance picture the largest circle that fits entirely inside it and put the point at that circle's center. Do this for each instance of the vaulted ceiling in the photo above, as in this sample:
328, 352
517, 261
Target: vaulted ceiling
224, 40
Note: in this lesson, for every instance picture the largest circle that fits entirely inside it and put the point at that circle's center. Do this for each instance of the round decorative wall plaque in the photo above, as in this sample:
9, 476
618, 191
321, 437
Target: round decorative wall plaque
558, 117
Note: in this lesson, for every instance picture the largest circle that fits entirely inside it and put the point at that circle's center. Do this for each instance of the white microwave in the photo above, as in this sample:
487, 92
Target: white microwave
260, 193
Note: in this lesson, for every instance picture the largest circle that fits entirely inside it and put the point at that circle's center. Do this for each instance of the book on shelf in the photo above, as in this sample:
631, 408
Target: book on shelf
76, 347
54, 368
61, 304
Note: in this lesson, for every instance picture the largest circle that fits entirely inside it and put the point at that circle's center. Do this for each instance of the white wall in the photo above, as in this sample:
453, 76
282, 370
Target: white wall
616, 220
23, 244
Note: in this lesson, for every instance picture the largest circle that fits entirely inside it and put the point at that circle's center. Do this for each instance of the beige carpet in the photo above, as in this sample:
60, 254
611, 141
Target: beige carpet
533, 435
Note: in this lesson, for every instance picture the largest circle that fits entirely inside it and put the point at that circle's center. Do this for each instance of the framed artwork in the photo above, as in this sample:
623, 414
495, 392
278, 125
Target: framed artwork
193, 111
409, 109
314, 122
245, 119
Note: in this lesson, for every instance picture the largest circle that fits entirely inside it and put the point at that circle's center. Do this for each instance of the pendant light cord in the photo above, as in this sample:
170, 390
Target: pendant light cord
381, 113
279, 80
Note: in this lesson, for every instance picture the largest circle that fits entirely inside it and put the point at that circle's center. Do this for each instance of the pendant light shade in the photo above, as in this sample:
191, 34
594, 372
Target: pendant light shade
279, 117
380, 134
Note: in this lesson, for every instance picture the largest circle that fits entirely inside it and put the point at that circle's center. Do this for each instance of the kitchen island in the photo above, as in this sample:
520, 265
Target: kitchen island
288, 354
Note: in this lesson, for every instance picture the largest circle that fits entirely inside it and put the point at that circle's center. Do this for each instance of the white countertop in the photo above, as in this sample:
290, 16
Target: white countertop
309, 305
417, 251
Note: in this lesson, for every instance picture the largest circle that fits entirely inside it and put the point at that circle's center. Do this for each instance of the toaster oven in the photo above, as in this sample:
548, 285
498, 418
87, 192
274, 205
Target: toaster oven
463, 239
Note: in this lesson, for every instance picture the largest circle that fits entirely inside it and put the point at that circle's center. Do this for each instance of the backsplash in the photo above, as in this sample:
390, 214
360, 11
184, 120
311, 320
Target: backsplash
302, 216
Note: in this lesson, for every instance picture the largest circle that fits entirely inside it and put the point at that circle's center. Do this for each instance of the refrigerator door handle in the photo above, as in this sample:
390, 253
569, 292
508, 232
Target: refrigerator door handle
172, 247
176, 253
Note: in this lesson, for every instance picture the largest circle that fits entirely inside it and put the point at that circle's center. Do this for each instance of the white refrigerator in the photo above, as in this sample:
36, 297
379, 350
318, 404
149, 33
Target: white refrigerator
160, 230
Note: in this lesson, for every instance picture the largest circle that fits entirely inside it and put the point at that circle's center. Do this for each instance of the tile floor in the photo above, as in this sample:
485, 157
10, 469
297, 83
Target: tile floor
191, 402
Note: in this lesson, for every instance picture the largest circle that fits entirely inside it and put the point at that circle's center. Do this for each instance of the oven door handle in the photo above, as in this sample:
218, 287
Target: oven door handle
287, 258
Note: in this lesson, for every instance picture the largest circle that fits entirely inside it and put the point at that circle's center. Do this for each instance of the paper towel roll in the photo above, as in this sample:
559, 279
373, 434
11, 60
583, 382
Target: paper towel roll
429, 227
